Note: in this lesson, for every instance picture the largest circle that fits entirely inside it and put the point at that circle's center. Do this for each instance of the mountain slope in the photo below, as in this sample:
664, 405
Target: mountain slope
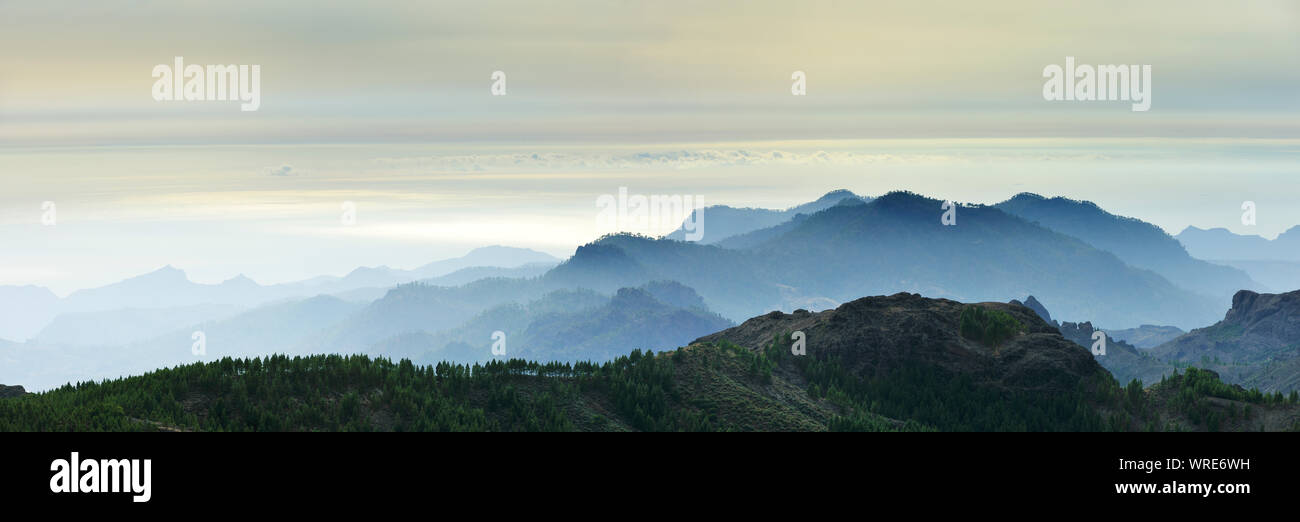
273, 328
1257, 344
1123, 360
894, 243
460, 277
722, 222
897, 243
732, 283
758, 237
166, 287
416, 307
878, 335
1138, 243
490, 256
569, 325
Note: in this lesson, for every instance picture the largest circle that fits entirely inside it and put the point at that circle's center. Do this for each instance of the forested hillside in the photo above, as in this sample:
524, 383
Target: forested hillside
892, 363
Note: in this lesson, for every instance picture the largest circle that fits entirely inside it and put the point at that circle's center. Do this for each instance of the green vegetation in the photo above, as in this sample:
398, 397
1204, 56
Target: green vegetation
355, 393
1199, 397
704, 387
987, 326
699, 388
931, 398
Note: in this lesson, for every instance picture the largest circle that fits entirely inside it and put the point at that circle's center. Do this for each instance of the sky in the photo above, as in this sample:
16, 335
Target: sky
388, 105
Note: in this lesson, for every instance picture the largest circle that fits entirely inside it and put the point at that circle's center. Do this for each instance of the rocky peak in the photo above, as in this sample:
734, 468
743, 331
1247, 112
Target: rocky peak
11, 391
1251, 307
1038, 308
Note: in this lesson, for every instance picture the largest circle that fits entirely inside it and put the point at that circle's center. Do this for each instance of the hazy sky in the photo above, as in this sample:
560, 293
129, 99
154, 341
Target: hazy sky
388, 105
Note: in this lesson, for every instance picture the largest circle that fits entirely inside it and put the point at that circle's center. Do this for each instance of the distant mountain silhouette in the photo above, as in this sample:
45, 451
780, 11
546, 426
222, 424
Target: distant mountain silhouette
469, 339
490, 256
758, 237
732, 283
128, 325
896, 243
384, 277
1274, 263
721, 222
166, 286
569, 325
1147, 335
1220, 243
474, 273
279, 327
1138, 243
415, 307
458, 278
24, 310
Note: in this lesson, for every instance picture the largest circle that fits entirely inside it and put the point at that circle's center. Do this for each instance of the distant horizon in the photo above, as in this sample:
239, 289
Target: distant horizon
442, 127
672, 160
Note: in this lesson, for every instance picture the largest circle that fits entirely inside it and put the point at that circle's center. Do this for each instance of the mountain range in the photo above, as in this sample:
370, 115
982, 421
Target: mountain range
568, 325
1274, 263
1256, 345
29, 309
896, 243
1137, 243
726, 222
1220, 243
626, 291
